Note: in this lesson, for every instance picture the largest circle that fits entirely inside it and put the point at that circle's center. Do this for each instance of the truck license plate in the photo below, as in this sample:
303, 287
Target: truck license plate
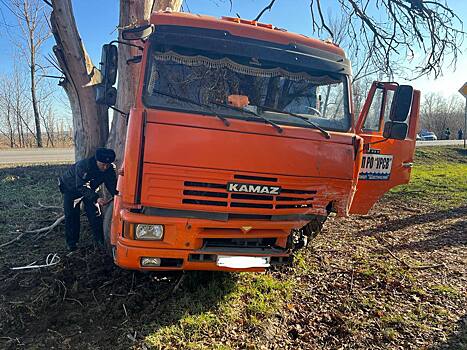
242, 262
375, 167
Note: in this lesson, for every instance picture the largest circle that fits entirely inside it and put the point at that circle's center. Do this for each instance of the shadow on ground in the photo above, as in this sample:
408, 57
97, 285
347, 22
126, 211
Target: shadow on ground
400, 224
458, 339
444, 236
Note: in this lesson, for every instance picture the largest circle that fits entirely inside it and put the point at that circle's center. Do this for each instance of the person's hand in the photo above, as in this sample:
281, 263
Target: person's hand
102, 202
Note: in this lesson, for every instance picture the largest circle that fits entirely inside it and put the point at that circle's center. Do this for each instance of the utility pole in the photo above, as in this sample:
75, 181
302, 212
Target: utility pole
463, 91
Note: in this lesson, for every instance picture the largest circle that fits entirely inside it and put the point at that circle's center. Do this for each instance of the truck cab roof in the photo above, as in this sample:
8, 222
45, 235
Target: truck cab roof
244, 28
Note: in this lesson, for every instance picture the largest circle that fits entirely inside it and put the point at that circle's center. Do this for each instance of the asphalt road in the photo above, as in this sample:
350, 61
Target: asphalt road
62, 155
37, 155
440, 143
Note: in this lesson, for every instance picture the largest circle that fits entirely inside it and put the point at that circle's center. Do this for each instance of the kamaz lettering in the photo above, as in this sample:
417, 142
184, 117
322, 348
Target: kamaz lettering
252, 188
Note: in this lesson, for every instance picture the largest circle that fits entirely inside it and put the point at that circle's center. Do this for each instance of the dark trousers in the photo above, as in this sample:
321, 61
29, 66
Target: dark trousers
72, 222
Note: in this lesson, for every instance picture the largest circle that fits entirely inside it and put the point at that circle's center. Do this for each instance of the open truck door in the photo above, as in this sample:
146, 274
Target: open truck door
387, 124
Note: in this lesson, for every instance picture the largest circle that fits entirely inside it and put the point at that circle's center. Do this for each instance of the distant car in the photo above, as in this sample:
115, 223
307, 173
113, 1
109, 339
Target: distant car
428, 136
418, 137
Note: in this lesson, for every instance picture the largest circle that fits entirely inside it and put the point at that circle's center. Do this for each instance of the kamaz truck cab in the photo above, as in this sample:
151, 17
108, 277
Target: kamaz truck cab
242, 141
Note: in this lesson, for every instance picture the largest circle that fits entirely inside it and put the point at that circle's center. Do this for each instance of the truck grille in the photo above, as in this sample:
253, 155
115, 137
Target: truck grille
215, 194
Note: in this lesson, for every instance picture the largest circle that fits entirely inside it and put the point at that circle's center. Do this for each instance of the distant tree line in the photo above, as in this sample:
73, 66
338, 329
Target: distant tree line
28, 99
17, 115
438, 113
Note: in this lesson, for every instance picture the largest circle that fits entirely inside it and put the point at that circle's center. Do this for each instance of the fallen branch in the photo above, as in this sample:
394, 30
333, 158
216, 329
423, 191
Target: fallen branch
49, 206
179, 282
43, 207
17, 238
48, 228
39, 230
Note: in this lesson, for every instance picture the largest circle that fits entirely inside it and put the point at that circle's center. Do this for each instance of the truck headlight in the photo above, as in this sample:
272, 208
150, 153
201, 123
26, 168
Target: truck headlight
150, 262
149, 232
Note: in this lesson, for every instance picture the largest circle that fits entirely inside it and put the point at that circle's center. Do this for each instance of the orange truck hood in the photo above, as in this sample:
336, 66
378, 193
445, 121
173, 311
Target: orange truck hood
198, 141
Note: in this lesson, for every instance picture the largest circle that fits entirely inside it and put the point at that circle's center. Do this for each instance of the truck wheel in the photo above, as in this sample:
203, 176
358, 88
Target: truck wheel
313, 228
300, 238
107, 222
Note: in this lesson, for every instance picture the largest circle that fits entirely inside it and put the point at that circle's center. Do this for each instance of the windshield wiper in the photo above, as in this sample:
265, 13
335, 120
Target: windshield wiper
324, 132
184, 99
277, 127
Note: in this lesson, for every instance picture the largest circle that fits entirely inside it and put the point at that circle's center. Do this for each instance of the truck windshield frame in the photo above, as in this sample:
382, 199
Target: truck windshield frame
216, 76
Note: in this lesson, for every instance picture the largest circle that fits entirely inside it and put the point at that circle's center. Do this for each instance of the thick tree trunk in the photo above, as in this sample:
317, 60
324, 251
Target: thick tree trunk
90, 120
131, 11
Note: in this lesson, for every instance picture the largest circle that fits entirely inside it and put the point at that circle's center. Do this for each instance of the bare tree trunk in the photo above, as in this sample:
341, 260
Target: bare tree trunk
90, 120
49, 127
19, 125
10, 127
131, 12
7, 110
32, 67
34, 31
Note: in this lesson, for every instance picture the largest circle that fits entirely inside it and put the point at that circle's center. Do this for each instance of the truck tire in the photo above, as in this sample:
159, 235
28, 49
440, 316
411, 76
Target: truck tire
107, 222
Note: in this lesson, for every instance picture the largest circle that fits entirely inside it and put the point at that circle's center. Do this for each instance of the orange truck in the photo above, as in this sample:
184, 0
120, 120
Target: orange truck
242, 141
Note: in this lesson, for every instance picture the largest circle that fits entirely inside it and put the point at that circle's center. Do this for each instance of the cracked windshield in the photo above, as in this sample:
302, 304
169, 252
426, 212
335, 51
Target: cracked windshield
243, 87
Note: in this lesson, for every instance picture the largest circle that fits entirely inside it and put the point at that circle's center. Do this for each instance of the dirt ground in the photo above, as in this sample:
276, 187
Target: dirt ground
393, 279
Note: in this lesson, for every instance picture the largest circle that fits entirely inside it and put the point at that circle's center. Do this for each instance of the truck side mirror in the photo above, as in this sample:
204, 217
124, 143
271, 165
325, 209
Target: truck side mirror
137, 33
109, 62
106, 94
395, 130
401, 103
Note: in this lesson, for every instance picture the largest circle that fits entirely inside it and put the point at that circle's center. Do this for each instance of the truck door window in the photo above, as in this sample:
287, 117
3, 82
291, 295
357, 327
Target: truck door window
389, 94
373, 118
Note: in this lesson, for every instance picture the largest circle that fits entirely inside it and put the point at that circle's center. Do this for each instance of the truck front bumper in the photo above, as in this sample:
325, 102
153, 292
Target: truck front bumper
184, 244
177, 259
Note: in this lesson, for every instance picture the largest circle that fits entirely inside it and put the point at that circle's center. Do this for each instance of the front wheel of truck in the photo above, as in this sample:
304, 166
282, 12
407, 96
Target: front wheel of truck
107, 222
301, 237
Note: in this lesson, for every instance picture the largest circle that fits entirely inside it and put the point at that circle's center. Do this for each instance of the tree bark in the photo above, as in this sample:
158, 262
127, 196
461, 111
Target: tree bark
131, 11
90, 120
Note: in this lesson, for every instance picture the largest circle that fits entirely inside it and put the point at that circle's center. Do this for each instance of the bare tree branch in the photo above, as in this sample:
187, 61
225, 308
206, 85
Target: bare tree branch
413, 27
269, 7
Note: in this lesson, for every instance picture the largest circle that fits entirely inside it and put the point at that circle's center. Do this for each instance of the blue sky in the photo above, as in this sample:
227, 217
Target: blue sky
97, 21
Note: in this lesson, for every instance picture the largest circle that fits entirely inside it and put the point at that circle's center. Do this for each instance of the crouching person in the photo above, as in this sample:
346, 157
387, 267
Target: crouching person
79, 183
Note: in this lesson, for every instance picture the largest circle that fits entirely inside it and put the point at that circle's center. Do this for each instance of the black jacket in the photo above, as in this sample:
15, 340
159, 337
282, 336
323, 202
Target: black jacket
84, 177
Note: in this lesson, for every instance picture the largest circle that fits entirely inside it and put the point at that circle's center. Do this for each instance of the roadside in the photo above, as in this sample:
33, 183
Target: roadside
61, 155
393, 279
451, 143
36, 155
